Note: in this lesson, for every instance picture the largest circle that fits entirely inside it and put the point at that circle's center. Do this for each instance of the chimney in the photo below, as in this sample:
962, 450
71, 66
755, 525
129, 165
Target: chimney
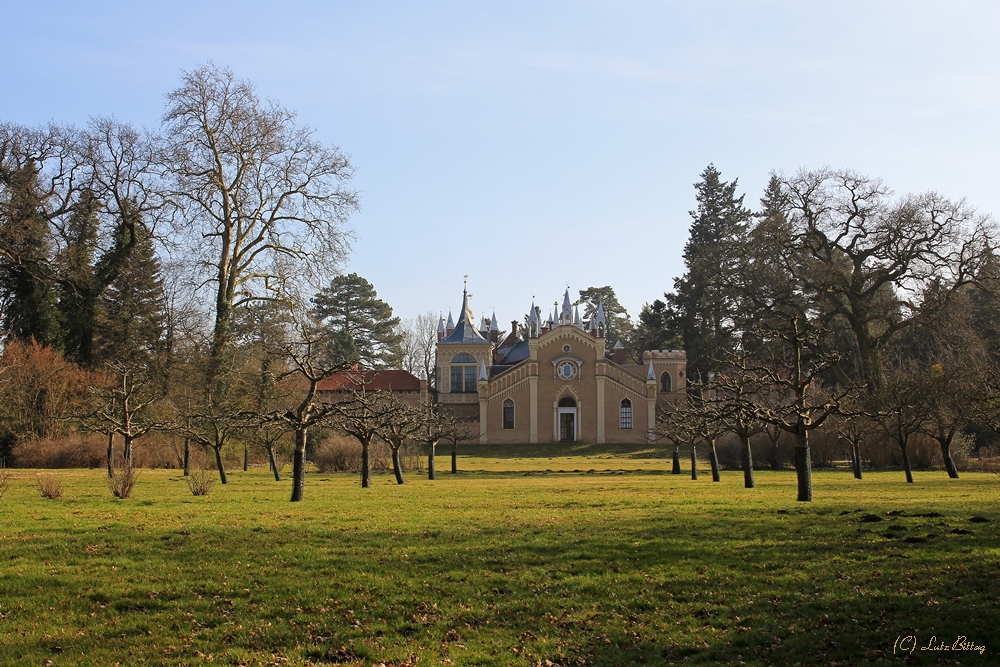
618, 354
515, 329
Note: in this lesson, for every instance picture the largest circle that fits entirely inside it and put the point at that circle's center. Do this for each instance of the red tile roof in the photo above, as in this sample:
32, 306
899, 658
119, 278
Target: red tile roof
371, 381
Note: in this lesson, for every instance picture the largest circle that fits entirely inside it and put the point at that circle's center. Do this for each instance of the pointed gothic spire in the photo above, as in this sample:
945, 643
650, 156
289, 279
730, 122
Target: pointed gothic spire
576, 317
451, 324
493, 322
482, 371
440, 323
650, 374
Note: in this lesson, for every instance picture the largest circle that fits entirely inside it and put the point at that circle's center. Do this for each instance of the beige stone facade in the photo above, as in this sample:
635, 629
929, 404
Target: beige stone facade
560, 384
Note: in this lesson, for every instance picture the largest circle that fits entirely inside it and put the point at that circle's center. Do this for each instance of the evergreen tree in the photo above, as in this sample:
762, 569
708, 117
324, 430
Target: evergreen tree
351, 306
619, 325
26, 285
131, 312
703, 298
76, 282
657, 328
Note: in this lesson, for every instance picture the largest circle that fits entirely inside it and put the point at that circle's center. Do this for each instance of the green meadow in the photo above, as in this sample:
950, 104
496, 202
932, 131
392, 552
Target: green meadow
528, 556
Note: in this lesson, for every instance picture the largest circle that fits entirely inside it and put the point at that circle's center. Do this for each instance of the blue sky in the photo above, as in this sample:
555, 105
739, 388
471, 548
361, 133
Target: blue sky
534, 144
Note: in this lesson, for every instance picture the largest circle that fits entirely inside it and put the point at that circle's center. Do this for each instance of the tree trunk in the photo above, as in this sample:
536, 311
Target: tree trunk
676, 470
803, 467
274, 464
856, 458
111, 454
430, 461
366, 469
714, 459
454, 459
949, 464
694, 461
187, 457
220, 465
299, 467
397, 468
246, 457
747, 456
127, 450
906, 464
775, 459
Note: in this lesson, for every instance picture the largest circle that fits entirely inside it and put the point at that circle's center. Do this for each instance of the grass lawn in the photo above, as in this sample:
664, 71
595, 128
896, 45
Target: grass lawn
529, 556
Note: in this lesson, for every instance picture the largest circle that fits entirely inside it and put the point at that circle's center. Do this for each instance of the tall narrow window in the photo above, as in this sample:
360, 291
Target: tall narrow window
665, 382
626, 414
464, 379
508, 414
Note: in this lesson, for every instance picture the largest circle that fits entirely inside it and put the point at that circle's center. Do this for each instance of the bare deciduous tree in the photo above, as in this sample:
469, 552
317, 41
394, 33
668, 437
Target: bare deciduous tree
261, 197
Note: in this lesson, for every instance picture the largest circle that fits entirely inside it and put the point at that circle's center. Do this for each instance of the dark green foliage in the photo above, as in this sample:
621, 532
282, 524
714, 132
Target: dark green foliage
77, 282
351, 309
26, 280
618, 323
132, 309
657, 328
702, 297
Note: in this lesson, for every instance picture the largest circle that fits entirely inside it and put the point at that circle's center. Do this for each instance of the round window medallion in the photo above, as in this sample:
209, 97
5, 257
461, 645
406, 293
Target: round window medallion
567, 370
566, 348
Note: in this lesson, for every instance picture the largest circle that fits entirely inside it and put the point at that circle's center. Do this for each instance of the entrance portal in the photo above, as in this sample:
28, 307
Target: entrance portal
567, 419
567, 426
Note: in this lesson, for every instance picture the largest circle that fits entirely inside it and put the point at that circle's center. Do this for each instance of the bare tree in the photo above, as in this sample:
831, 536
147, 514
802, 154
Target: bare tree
359, 416
737, 390
260, 196
308, 352
900, 412
420, 345
667, 428
442, 424
399, 422
870, 260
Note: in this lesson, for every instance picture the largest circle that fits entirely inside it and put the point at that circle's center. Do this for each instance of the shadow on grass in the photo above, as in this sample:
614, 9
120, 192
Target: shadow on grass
561, 449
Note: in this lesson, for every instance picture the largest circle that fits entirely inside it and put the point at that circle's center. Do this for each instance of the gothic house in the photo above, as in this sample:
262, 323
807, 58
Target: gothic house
557, 382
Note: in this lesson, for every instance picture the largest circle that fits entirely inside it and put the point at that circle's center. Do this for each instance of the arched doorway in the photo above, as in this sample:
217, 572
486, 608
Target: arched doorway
567, 419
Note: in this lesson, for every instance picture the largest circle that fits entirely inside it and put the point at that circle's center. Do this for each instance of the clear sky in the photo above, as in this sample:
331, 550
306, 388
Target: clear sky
534, 144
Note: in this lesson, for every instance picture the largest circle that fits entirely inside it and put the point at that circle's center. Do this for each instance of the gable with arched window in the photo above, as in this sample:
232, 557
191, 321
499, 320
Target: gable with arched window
626, 414
508, 414
665, 382
464, 379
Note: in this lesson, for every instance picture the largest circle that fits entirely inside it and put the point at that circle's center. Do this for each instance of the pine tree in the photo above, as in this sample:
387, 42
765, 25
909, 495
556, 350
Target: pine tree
76, 282
618, 323
351, 306
703, 298
26, 285
131, 312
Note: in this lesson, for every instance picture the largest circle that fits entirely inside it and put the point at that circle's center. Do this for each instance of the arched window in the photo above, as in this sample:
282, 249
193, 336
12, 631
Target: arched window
567, 402
626, 414
508, 414
665, 382
464, 378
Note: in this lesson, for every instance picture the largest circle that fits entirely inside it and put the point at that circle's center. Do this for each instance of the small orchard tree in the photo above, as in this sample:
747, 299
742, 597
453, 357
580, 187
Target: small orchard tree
309, 353
668, 428
399, 423
359, 415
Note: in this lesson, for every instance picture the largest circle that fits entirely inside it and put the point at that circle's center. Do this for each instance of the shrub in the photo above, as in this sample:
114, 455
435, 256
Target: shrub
50, 487
336, 454
75, 451
122, 481
200, 482
343, 454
